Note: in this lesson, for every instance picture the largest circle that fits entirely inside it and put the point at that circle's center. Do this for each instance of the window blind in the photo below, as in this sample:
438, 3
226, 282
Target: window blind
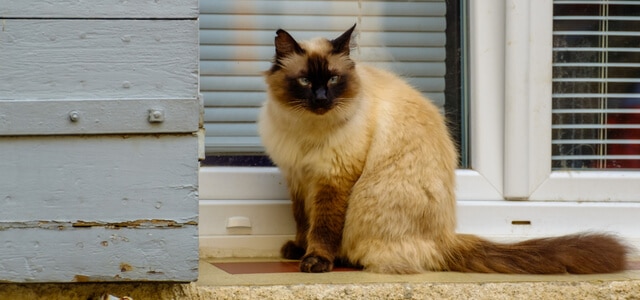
236, 46
596, 85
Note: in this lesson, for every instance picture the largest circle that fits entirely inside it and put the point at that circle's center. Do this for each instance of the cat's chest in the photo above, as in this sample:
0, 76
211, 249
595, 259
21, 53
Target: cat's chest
324, 147
318, 155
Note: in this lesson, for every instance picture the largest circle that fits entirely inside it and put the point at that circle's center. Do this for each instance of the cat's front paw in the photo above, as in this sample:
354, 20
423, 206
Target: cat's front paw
316, 264
290, 250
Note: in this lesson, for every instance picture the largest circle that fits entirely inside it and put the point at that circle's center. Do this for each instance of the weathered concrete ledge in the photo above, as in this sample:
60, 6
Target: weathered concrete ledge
214, 283
498, 290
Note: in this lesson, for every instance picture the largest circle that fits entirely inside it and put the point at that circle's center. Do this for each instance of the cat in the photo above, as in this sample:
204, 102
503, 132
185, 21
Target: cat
370, 168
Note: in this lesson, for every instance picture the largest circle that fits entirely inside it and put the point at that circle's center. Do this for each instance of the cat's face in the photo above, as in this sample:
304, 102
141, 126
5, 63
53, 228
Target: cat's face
315, 76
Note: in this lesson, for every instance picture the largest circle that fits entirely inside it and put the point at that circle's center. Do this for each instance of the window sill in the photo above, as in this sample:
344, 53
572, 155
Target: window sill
272, 223
214, 283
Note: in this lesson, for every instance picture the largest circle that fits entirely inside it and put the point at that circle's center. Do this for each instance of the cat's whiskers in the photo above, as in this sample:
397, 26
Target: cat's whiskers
342, 104
298, 108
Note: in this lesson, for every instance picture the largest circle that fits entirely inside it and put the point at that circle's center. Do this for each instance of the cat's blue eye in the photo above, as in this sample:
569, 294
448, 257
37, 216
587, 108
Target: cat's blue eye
303, 81
334, 79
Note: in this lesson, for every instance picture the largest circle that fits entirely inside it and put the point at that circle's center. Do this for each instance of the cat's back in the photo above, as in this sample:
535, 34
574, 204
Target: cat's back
393, 93
398, 105
410, 130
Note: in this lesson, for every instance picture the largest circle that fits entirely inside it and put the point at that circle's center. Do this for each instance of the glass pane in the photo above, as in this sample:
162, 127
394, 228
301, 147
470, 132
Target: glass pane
232, 84
596, 85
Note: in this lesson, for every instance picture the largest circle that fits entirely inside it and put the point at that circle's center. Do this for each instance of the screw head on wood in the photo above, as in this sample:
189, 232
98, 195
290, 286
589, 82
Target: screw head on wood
74, 116
156, 116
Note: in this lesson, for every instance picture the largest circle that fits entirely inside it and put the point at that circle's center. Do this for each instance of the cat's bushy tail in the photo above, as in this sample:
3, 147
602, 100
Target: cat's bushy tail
578, 254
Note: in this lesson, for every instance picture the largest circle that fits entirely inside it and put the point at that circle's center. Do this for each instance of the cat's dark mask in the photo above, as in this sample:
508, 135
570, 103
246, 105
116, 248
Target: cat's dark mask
317, 74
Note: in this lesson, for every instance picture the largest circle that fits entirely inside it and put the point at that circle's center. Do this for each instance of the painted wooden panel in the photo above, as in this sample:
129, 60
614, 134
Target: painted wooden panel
99, 9
99, 179
98, 254
98, 208
99, 145
90, 116
82, 59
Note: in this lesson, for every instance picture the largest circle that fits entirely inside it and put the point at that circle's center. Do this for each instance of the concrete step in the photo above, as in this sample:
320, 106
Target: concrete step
216, 283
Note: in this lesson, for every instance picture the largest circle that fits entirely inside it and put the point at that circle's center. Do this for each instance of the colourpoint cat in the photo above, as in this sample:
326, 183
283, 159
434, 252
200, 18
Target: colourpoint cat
370, 166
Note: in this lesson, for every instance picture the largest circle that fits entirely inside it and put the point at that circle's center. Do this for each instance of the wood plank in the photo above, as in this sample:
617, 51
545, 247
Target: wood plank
104, 178
99, 254
105, 59
99, 9
92, 116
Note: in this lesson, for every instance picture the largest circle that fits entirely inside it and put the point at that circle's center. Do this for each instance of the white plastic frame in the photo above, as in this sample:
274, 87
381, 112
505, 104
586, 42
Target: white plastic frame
528, 174
482, 182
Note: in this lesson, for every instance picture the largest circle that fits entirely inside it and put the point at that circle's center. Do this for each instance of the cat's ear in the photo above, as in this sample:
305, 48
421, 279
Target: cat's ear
286, 45
342, 44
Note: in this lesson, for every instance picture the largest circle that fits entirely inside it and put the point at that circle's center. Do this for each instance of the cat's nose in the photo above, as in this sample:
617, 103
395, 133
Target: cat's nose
321, 94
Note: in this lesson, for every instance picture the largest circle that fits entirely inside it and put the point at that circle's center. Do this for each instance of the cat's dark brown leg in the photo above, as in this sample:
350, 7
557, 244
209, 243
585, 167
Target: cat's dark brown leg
296, 249
325, 232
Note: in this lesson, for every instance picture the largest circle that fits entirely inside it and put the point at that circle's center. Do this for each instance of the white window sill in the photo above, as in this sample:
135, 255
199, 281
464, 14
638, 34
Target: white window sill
259, 195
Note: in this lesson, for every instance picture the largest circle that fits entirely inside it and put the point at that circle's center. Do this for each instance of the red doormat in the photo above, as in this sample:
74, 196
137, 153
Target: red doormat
267, 267
236, 268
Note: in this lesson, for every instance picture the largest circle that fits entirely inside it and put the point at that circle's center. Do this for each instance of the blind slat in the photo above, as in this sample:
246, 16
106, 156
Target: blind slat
232, 129
594, 95
255, 99
596, 49
233, 99
332, 22
595, 126
232, 83
597, 80
624, 2
597, 33
236, 114
233, 114
256, 83
265, 53
597, 18
233, 144
597, 65
244, 68
596, 142
596, 111
595, 157
255, 7
364, 39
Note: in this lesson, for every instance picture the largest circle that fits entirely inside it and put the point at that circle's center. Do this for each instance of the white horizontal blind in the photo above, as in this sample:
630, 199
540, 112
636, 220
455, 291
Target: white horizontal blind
236, 46
596, 85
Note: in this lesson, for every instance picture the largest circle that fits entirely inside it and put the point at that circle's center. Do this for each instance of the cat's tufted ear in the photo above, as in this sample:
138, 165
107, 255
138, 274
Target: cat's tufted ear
286, 45
342, 44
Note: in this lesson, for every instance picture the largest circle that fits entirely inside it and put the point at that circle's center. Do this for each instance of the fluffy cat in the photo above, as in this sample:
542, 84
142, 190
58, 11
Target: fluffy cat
370, 169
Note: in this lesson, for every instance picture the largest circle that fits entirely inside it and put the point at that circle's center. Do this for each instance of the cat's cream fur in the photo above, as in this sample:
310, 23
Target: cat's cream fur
372, 177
